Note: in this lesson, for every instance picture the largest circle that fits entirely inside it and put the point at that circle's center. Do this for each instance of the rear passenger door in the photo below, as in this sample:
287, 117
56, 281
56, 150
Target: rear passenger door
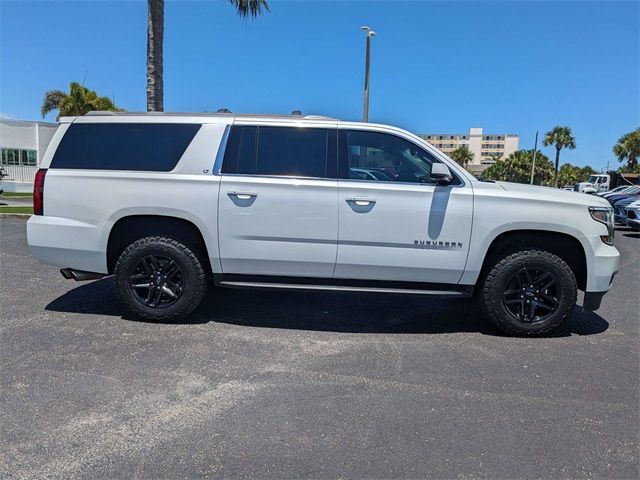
278, 204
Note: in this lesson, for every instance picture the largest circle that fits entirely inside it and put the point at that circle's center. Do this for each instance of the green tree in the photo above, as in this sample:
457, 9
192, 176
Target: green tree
628, 147
572, 174
155, 38
517, 168
78, 101
559, 137
462, 155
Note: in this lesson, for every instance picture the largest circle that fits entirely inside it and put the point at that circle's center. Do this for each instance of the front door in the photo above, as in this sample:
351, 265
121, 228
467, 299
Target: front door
394, 222
278, 204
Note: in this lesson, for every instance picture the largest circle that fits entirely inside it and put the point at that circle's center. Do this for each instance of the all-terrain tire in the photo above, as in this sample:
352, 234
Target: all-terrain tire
500, 278
192, 275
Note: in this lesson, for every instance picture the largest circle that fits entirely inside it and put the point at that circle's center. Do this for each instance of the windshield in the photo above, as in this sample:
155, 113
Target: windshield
594, 179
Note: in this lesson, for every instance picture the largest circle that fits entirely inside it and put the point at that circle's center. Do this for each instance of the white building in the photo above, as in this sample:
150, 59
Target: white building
486, 148
23, 144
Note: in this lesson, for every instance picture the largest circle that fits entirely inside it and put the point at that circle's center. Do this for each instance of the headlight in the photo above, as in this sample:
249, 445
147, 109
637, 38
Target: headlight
604, 215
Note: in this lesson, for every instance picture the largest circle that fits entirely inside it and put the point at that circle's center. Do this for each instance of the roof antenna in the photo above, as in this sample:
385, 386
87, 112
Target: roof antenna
85, 77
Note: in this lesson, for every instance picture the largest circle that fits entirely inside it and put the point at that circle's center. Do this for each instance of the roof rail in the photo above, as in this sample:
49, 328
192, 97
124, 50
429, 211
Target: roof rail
101, 113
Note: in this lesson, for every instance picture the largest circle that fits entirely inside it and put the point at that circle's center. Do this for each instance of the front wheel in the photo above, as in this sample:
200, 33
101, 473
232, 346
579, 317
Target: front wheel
160, 279
529, 292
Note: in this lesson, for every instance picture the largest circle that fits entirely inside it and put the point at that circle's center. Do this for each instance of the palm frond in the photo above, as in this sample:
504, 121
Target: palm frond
51, 101
561, 137
250, 8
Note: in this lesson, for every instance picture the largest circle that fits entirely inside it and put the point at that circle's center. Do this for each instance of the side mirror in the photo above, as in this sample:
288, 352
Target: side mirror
441, 173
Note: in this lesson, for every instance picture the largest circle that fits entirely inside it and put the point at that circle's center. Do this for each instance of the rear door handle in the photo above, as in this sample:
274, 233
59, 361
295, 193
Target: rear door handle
243, 195
362, 201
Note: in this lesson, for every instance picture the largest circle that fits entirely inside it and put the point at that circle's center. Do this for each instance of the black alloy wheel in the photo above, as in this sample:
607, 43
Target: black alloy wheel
157, 281
531, 295
160, 278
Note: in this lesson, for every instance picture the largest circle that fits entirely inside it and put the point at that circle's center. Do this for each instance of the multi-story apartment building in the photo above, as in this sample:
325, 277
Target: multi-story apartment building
486, 148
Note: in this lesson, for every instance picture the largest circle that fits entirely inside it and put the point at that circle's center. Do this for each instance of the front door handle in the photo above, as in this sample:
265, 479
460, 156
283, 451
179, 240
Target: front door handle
362, 201
243, 195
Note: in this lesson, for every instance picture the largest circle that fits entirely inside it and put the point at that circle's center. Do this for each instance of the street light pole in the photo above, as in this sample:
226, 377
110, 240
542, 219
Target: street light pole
370, 34
535, 151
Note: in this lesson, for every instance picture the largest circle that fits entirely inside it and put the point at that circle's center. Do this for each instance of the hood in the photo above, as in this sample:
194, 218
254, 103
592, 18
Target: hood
625, 200
551, 194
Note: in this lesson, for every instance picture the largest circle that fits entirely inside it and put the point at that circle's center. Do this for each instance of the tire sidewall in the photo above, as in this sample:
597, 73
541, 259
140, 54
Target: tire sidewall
531, 259
191, 271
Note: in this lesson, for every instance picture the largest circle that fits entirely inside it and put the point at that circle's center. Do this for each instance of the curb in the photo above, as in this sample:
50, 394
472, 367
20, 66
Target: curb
24, 216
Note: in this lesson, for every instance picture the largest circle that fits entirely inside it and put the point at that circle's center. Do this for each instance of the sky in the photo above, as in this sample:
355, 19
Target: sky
436, 66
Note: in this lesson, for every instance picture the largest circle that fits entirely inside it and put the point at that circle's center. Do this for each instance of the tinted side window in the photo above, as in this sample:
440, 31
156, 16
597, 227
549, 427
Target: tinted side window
291, 151
382, 157
124, 146
240, 155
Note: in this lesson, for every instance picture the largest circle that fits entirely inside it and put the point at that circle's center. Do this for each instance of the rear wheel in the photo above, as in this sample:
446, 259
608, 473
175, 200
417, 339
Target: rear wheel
160, 279
529, 292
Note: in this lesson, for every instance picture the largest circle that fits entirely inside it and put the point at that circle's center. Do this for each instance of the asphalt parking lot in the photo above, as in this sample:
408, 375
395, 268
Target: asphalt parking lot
261, 384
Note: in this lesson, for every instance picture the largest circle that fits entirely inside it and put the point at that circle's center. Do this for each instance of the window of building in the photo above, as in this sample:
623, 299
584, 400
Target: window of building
15, 156
28, 157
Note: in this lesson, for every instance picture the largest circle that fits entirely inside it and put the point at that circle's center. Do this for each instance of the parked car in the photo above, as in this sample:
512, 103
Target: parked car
612, 198
620, 189
619, 208
163, 202
633, 215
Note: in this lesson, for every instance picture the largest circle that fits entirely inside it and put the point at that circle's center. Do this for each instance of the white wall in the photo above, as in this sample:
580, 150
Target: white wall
475, 144
24, 135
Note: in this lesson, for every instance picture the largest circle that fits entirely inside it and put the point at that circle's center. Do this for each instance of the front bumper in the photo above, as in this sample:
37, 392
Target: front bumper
633, 223
603, 262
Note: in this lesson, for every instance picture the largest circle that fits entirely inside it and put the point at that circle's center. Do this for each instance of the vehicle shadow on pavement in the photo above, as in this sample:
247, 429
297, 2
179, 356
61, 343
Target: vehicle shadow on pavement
340, 312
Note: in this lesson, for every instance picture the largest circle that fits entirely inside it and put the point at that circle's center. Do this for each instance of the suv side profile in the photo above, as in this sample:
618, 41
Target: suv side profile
167, 203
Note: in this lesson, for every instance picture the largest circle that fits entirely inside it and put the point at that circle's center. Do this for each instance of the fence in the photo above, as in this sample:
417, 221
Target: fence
19, 173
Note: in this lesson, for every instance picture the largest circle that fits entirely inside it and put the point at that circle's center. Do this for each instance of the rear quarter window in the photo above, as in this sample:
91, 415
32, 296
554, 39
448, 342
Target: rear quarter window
155, 147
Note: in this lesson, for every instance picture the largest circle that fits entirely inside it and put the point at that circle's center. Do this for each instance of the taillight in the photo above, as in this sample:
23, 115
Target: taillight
38, 192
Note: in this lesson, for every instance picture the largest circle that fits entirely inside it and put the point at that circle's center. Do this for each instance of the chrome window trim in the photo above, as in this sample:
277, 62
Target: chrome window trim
283, 177
385, 182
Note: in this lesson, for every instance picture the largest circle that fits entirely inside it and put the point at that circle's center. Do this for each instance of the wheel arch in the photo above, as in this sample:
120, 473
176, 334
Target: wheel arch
130, 228
564, 245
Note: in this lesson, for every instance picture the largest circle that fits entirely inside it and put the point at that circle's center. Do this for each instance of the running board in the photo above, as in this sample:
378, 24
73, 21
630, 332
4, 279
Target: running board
346, 288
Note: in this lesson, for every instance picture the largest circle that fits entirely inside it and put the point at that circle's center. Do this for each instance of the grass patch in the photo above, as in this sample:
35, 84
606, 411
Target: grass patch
17, 194
27, 210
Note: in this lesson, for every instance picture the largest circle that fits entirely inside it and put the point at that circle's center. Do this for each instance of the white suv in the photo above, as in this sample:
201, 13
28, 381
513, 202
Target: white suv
165, 202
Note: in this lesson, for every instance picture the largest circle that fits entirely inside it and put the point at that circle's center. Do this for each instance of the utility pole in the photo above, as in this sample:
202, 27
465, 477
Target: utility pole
370, 34
535, 151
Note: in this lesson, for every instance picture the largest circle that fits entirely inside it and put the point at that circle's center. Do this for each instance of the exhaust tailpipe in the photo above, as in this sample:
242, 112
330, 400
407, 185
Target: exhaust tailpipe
79, 275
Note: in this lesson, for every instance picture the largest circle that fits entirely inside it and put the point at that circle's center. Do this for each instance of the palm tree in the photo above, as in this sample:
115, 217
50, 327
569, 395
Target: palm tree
628, 147
155, 36
462, 155
560, 137
78, 101
517, 168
